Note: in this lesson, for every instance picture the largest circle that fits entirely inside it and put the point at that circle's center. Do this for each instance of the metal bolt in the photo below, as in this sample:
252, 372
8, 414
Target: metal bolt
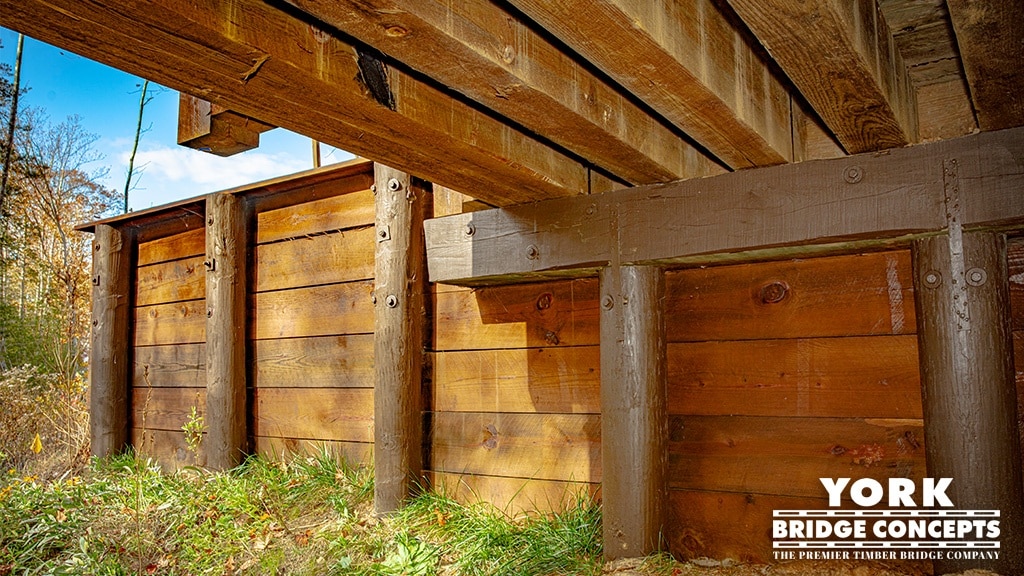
608, 302
373, 298
210, 264
932, 279
591, 209
95, 322
532, 252
96, 246
383, 233
391, 301
469, 229
210, 220
394, 185
209, 312
96, 280
373, 189
853, 174
976, 276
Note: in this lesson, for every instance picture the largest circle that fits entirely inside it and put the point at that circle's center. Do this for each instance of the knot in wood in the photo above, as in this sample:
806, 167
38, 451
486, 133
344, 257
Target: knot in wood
774, 292
544, 302
838, 450
395, 31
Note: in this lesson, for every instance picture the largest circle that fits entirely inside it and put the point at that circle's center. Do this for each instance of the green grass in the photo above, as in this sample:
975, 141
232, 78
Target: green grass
308, 516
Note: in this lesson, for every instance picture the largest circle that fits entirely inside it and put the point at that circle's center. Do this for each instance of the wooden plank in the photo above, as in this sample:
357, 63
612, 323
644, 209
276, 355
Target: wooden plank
399, 337
945, 110
531, 315
967, 378
861, 90
176, 365
314, 260
841, 206
991, 44
1015, 264
515, 497
321, 362
633, 415
263, 62
689, 63
175, 247
228, 219
215, 129
317, 311
821, 297
109, 354
314, 413
166, 408
178, 323
536, 446
543, 380
285, 449
494, 58
336, 212
168, 282
167, 448
787, 456
859, 377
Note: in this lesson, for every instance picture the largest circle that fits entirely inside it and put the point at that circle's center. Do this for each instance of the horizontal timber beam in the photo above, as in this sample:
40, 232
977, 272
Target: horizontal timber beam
260, 61
211, 128
843, 204
488, 54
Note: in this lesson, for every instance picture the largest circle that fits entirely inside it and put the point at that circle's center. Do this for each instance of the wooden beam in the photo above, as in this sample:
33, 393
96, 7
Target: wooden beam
399, 337
837, 205
967, 380
211, 128
634, 421
841, 55
110, 357
262, 62
991, 40
227, 243
491, 56
689, 63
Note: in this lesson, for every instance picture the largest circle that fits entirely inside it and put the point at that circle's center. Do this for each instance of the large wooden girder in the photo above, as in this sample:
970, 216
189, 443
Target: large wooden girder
843, 204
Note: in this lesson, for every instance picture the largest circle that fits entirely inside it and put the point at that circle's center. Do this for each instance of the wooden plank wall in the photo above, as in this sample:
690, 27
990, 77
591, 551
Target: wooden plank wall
780, 373
312, 324
169, 375
1015, 258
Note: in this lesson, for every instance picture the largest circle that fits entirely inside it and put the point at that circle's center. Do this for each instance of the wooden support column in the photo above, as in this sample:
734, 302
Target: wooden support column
227, 234
111, 334
398, 345
967, 379
634, 426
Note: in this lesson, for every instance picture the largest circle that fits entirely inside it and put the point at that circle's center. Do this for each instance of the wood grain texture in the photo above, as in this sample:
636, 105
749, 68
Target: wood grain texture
314, 413
967, 378
494, 58
178, 323
1015, 276
109, 370
543, 380
168, 448
689, 63
174, 247
516, 497
258, 60
174, 365
166, 408
168, 282
215, 129
842, 58
857, 377
856, 295
537, 446
336, 212
991, 43
843, 205
787, 456
550, 314
317, 311
319, 362
313, 260
285, 449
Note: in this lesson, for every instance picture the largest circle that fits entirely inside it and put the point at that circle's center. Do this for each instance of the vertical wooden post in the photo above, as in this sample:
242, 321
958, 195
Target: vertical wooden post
111, 335
967, 380
398, 346
634, 425
227, 239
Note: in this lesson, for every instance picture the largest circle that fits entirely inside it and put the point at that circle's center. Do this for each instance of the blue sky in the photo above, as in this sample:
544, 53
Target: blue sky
107, 100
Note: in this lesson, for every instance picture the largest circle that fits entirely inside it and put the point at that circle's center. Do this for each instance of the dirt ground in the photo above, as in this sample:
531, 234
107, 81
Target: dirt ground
633, 567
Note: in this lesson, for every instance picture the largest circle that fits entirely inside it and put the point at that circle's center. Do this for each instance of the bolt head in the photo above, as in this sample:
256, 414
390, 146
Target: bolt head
532, 252
932, 279
391, 301
469, 229
394, 185
608, 302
